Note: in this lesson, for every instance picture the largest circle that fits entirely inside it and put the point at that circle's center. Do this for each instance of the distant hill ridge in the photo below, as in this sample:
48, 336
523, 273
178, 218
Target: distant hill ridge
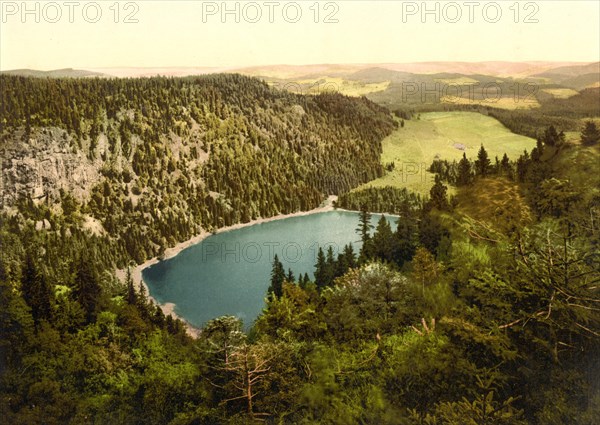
493, 68
56, 73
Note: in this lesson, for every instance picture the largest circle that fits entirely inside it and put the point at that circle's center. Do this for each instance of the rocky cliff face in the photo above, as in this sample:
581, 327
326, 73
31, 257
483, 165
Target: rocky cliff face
43, 163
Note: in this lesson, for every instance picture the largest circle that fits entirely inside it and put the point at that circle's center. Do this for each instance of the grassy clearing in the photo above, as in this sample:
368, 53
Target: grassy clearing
443, 135
509, 103
561, 93
345, 87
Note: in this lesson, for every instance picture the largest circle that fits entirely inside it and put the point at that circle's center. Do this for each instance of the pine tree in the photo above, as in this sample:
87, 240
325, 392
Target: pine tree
364, 224
363, 229
131, 295
303, 281
349, 256
383, 240
87, 289
277, 278
330, 267
425, 268
37, 292
290, 276
321, 270
482, 164
464, 171
407, 239
590, 135
505, 168
438, 198
346, 260
551, 136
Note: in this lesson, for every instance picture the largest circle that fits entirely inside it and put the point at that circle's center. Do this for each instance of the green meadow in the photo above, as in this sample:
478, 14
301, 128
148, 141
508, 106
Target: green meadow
443, 135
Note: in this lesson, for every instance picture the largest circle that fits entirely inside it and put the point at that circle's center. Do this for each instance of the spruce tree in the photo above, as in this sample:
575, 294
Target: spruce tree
482, 164
131, 295
551, 136
87, 289
330, 267
364, 224
407, 239
464, 171
383, 240
438, 195
363, 229
37, 292
321, 270
505, 168
290, 276
277, 278
590, 134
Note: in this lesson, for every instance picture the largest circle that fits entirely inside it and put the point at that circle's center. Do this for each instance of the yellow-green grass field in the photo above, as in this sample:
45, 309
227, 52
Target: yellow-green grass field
335, 84
509, 103
561, 93
443, 135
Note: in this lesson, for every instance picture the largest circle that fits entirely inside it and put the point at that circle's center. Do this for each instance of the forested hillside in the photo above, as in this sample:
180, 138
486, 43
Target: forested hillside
155, 160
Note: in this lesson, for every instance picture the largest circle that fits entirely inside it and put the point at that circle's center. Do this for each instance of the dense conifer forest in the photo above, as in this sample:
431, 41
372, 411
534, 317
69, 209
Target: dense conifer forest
178, 155
480, 308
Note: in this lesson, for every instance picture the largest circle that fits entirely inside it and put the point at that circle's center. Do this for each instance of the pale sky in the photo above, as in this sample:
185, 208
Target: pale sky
197, 34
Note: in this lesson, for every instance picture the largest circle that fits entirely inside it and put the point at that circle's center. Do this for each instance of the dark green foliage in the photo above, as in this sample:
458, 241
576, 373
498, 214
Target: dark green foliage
482, 164
552, 138
321, 270
277, 278
590, 135
202, 152
390, 200
438, 197
36, 290
561, 113
383, 242
464, 171
87, 290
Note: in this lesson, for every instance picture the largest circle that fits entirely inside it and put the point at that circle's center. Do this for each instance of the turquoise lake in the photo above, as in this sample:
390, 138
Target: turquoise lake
228, 273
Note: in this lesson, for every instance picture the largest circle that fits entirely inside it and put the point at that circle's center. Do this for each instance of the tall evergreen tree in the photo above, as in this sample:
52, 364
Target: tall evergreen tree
425, 268
464, 171
364, 224
505, 167
383, 240
590, 135
551, 136
131, 295
407, 236
87, 289
277, 278
364, 230
346, 260
321, 270
438, 195
330, 267
290, 276
37, 292
482, 164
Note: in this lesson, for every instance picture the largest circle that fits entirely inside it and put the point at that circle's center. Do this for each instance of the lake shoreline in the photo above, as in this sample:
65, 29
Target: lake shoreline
169, 308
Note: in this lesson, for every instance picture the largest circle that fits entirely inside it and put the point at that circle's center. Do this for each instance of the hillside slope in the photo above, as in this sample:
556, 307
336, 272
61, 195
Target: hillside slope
155, 160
